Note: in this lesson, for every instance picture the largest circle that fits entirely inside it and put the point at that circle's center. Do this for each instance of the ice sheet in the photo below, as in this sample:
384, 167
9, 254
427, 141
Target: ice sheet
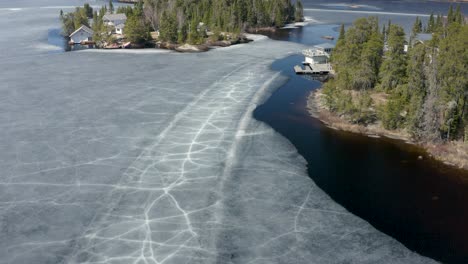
155, 158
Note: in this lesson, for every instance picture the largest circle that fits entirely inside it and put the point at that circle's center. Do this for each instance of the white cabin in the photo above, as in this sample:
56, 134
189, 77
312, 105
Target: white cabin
316, 56
83, 33
119, 29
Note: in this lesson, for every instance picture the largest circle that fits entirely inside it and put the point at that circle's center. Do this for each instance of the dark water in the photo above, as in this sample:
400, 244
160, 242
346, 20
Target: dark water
421, 203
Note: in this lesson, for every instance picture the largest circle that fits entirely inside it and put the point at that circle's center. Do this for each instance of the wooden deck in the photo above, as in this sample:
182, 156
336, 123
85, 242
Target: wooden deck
316, 69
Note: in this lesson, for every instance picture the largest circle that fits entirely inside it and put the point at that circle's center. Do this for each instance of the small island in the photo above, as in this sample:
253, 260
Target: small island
415, 88
186, 26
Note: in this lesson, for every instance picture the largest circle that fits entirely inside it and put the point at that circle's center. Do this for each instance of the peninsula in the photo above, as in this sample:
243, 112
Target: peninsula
415, 88
178, 25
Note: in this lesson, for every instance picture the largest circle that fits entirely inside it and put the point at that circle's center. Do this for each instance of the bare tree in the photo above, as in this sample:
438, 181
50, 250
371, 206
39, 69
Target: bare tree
151, 13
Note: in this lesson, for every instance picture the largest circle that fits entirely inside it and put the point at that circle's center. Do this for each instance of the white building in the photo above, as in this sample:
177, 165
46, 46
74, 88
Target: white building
317, 61
319, 54
119, 29
84, 33
114, 19
315, 56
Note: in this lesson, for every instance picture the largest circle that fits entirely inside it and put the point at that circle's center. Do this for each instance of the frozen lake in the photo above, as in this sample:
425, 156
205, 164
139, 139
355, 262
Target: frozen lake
154, 157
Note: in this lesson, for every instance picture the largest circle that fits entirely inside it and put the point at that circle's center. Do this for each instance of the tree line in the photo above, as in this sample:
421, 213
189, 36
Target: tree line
423, 90
188, 21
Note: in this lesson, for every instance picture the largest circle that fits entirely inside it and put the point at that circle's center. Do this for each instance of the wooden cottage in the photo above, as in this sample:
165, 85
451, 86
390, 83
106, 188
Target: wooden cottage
82, 34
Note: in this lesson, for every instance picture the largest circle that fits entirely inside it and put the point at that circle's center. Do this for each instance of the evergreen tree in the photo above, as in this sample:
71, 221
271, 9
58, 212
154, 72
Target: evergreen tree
182, 34
80, 18
450, 16
417, 27
389, 25
366, 75
136, 31
168, 27
279, 18
393, 70
111, 7
68, 24
439, 23
384, 32
430, 24
416, 90
459, 17
299, 11
193, 34
453, 76
88, 10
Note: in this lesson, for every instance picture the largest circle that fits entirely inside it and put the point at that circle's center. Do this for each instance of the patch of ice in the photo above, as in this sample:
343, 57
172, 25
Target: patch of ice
307, 20
366, 12
157, 159
256, 37
11, 9
46, 47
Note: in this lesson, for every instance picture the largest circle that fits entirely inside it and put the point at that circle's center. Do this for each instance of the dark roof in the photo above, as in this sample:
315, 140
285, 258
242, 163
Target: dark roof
423, 37
113, 17
85, 28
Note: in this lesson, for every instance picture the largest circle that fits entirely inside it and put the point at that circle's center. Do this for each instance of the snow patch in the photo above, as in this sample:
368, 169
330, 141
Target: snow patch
307, 21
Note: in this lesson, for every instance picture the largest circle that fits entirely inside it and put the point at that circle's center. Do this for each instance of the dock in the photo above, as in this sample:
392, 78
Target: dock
316, 69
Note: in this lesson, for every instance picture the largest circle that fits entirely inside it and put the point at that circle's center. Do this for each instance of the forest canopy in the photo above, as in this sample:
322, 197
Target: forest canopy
181, 21
423, 90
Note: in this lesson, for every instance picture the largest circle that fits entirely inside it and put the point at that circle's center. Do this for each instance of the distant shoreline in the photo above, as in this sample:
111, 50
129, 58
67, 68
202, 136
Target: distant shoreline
128, 1
450, 1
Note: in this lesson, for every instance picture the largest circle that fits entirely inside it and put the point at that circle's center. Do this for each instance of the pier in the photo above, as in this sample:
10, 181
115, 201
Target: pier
316, 69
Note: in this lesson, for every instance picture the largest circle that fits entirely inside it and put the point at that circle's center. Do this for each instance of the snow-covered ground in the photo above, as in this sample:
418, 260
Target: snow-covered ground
155, 158
307, 21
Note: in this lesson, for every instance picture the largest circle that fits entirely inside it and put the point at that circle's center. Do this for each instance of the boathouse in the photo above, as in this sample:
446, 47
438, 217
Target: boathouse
319, 54
317, 60
82, 34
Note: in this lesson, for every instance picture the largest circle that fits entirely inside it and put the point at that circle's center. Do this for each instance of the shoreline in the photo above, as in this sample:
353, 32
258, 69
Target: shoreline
451, 153
182, 48
207, 46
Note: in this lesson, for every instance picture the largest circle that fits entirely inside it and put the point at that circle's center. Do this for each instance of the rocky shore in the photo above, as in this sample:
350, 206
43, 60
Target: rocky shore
452, 153
202, 47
